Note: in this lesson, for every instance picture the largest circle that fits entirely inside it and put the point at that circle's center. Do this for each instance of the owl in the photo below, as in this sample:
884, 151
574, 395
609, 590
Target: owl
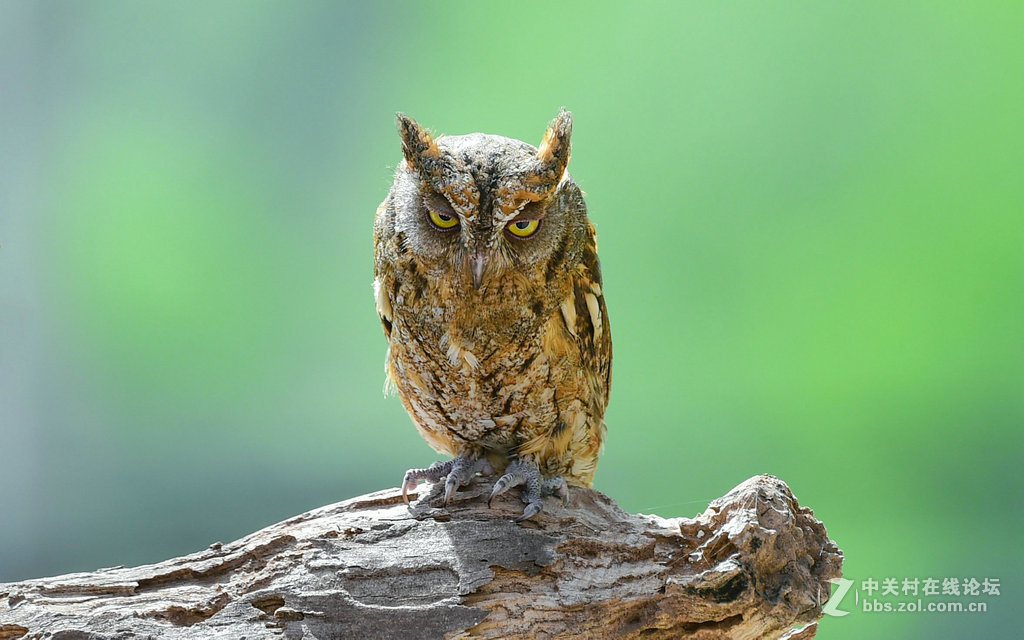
488, 287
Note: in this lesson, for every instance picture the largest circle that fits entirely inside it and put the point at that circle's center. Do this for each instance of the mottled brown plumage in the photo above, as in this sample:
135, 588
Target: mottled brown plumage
500, 346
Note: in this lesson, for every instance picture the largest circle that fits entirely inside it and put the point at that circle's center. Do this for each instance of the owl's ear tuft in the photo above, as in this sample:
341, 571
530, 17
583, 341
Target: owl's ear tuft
418, 145
555, 147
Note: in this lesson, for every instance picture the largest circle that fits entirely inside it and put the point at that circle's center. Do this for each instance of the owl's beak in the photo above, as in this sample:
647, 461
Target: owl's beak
478, 266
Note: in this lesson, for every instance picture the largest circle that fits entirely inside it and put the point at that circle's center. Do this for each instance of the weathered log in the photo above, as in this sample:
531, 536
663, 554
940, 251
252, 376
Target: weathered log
755, 564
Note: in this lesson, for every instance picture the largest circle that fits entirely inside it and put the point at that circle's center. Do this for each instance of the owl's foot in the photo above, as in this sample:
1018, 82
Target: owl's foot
535, 487
458, 471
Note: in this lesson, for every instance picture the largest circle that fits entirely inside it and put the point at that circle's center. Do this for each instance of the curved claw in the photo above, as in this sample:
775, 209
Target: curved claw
433, 473
517, 473
535, 488
464, 469
409, 482
500, 487
531, 510
450, 485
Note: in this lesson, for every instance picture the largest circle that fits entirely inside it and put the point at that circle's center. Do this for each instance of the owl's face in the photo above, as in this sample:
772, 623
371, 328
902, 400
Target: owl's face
474, 207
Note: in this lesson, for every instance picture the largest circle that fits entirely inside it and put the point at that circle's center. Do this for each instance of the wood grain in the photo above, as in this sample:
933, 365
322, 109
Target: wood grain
754, 564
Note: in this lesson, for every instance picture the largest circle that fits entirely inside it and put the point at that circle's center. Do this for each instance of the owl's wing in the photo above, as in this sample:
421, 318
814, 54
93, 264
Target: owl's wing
383, 271
586, 318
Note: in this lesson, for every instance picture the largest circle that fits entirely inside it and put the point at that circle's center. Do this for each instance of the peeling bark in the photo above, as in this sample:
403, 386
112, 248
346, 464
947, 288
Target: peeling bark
755, 564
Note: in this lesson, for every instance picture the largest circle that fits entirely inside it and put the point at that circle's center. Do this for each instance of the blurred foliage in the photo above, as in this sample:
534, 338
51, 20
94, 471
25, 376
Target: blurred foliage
811, 230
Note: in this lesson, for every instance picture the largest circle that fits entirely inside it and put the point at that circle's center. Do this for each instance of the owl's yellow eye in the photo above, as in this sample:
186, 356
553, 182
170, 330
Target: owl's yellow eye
523, 228
442, 221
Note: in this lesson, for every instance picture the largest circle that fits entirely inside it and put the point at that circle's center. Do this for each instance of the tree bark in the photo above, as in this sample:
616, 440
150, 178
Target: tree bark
754, 564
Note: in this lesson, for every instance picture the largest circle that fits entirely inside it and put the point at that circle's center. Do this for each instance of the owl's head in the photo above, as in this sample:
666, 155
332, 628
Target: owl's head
479, 205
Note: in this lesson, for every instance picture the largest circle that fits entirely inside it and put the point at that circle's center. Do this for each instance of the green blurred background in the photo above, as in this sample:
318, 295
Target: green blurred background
811, 224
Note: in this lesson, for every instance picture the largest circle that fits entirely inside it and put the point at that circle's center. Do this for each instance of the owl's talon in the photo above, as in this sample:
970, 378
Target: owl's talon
409, 483
517, 473
556, 487
433, 473
463, 469
450, 485
500, 487
535, 488
531, 510
456, 472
